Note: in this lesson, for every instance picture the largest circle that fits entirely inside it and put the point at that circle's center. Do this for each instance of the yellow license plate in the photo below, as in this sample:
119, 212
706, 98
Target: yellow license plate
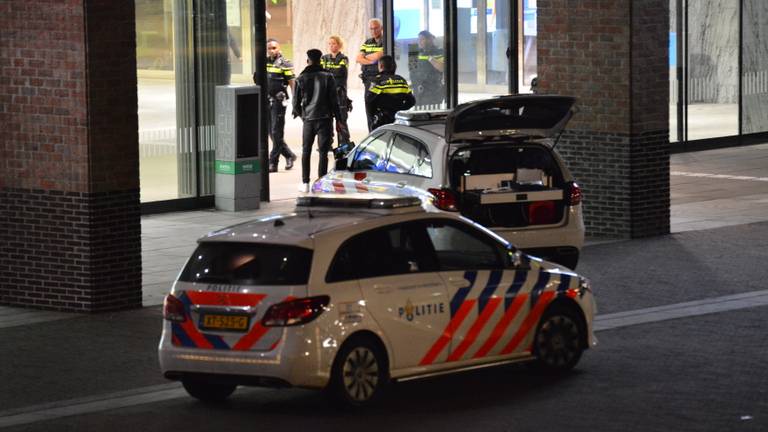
224, 322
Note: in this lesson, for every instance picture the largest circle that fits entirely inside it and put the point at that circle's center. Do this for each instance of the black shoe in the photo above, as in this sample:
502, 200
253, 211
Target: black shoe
272, 168
289, 162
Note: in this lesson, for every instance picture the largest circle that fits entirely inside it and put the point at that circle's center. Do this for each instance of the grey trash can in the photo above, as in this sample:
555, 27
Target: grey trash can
237, 170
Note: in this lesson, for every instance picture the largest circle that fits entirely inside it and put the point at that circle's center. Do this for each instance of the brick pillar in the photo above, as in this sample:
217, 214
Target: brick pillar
70, 233
613, 56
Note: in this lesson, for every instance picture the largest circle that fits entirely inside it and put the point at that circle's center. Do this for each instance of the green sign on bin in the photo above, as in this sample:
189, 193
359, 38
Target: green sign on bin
237, 167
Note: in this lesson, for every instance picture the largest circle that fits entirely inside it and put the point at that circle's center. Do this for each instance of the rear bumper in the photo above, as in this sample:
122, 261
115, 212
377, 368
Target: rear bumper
294, 362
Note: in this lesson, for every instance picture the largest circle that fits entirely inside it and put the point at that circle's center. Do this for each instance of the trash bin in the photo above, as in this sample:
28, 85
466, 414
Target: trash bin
237, 170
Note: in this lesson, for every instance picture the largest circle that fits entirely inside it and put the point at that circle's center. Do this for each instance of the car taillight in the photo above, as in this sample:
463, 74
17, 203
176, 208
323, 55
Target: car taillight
444, 199
574, 194
295, 312
173, 309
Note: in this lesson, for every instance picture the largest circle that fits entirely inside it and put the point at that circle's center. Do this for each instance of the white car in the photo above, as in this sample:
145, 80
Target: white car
347, 294
492, 160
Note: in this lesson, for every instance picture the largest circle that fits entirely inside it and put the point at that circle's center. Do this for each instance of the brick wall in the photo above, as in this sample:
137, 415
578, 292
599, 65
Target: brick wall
70, 231
613, 56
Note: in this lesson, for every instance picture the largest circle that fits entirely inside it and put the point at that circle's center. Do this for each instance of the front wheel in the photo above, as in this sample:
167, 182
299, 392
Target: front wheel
558, 342
208, 392
359, 373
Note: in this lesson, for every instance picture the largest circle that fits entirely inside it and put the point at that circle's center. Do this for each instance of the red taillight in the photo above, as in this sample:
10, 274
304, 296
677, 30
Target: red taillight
574, 194
541, 213
360, 176
295, 312
173, 309
444, 199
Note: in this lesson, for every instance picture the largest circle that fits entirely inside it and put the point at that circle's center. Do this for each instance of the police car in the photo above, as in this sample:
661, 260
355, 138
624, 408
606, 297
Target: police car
492, 160
349, 293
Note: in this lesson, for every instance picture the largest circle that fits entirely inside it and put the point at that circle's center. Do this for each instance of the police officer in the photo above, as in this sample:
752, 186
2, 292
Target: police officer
427, 72
389, 93
315, 101
279, 78
369, 55
337, 64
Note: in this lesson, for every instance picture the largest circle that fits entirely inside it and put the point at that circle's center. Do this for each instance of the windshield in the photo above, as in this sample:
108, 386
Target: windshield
248, 264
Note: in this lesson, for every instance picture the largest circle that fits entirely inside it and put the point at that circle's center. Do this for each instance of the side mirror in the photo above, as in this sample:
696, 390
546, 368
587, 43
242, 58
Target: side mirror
516, 259
341, 164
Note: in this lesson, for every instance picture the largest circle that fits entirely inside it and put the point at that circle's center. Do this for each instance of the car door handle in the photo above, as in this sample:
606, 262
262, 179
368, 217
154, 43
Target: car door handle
382, 288
458, 282
401, 184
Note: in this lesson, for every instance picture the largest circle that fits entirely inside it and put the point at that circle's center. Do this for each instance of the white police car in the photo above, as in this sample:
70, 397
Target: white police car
349, 293
492, 160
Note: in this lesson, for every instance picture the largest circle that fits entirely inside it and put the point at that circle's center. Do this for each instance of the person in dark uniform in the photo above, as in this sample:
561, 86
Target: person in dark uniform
316, 102
368, 57
279, 78
389, 93
337, 64
427, 72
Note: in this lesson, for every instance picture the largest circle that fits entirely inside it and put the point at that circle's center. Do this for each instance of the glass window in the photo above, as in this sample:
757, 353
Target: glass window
460, 248
248, 264
372, 155
483, 39
393, 250
528, 52
713, 50
409, 156
755, 67
420, 49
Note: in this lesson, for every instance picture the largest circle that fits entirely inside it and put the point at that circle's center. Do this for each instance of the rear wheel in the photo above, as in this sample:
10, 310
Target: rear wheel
207, 391
359, 373
558, 341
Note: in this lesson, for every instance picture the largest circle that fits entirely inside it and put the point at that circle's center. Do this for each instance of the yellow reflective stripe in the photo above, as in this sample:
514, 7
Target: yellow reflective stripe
288, 72
425, 57
371, 48
395, 90
274, 69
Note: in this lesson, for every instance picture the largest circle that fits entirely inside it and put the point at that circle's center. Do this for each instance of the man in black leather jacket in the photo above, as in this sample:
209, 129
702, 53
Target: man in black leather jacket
315, 101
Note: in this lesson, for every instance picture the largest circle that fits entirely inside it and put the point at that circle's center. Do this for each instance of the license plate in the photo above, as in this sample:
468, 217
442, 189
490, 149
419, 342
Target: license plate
224, 322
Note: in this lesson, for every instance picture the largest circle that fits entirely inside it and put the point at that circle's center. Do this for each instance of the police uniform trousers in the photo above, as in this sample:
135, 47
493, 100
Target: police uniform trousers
320, 128
277, 131
370, 111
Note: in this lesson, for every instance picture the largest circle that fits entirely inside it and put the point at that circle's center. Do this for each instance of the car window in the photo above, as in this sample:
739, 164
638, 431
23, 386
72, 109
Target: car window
248, 264
459, 247
392, 250
372, 155
409, 156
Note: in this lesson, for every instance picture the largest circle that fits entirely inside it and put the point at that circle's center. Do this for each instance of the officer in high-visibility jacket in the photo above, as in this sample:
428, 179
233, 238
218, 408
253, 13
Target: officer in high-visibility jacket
427, 72
388, 94
368, 57
279, 78
337, 64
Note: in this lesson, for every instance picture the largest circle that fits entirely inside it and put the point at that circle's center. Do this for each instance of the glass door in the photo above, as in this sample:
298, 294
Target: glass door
484, 41
419, 49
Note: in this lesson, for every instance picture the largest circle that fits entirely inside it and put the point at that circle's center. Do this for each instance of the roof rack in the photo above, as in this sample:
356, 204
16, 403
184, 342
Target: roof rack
384, 202
417, 118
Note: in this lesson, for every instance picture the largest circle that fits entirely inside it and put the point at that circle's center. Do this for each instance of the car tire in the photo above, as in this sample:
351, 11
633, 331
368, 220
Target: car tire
557, 344
359, 374
208, 392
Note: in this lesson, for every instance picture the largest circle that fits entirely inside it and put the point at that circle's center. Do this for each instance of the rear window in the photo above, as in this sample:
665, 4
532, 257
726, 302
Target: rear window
248, 264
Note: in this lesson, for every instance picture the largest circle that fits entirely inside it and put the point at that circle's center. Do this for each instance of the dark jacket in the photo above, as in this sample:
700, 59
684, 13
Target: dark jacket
315, 96
388, 94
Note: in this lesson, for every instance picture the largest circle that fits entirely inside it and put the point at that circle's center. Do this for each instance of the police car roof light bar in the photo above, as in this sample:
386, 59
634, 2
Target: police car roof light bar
349, 202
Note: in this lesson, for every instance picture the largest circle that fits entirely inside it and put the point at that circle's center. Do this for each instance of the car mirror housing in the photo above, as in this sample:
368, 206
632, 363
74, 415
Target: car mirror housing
341, 164
516, 260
